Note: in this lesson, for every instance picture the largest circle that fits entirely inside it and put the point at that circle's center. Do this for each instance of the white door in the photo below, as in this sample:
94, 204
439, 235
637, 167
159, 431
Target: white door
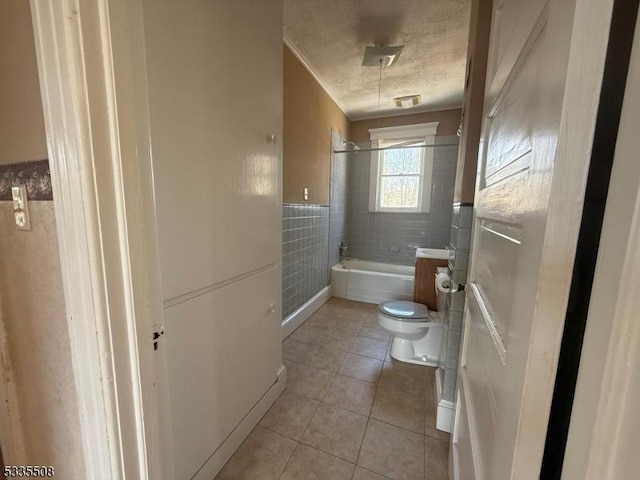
528, 202
214, 73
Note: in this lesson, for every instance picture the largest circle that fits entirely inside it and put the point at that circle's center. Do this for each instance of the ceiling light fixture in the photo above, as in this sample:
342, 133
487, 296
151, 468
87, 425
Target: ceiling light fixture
407, 101
387, 56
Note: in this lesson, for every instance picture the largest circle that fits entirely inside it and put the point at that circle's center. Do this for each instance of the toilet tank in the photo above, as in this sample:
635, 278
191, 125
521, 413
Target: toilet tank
427, 262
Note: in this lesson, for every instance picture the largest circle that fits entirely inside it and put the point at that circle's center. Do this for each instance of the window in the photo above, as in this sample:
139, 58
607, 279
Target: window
401, 173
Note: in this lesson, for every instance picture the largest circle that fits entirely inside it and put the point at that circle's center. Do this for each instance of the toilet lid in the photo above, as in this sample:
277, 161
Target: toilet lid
402, 310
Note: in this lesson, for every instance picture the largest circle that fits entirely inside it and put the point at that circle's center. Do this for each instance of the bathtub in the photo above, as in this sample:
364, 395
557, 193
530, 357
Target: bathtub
372, 282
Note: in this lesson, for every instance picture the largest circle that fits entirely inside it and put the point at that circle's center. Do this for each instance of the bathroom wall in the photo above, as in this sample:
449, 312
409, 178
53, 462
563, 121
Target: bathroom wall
472, 112
338, 222
32, 309
309, 116
448, 123
305, 232
310, 120
393, 237
460, 241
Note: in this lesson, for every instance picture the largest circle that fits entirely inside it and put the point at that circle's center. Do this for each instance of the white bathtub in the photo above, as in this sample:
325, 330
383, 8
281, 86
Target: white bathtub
372, 282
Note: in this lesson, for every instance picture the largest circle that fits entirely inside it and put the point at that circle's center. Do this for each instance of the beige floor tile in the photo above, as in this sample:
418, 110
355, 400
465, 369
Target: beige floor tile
337, 340
290, 414
369, 308
293, 349
374, 333
263, 455
333, 323
310, 464
336, 431
370, 348
399, 408
308, 381
351, 394
430, 420
362, 474
346, 311
404, 376
361, 367
436, 459
312, 355
307, 333
323, 357
431, 382
393, 452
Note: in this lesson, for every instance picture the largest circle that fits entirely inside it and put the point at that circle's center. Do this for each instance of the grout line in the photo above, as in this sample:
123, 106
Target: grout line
289, 460
362, 442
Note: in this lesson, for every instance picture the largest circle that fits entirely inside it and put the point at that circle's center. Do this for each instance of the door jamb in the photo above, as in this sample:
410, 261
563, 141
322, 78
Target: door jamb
94, 100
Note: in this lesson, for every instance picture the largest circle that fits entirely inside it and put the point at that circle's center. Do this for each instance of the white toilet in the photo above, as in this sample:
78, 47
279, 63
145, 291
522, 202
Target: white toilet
417, 332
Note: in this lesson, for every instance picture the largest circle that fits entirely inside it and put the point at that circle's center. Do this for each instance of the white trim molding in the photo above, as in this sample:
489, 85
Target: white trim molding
224, 452
97, 139
402, 132
445, 409
426, 131
298, 317
602, 441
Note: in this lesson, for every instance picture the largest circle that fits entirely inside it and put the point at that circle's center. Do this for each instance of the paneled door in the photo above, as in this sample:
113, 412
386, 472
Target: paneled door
528, 203
214, 75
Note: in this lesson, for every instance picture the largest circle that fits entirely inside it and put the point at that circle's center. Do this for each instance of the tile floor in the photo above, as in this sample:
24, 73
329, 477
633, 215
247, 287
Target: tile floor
349, 411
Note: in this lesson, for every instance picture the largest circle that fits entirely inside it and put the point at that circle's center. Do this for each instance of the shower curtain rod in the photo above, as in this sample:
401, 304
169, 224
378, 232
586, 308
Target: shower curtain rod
395, 147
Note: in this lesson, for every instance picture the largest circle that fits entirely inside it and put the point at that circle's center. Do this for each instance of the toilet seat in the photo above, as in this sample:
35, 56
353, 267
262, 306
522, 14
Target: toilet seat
404, 311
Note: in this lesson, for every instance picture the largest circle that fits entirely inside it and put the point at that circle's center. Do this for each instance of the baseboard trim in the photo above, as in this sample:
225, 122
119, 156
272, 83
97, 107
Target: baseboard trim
298, 317
213, 466
445, 408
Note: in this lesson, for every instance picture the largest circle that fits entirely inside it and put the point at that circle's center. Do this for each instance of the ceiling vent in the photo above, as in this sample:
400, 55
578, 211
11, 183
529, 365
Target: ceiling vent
385, 56
407, 101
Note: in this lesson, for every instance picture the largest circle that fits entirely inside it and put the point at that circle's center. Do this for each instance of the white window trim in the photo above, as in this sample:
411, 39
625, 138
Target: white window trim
398, 133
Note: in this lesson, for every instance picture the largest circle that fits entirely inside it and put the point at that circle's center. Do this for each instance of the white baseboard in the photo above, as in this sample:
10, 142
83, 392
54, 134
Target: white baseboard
445, 409
244, 428
298, 317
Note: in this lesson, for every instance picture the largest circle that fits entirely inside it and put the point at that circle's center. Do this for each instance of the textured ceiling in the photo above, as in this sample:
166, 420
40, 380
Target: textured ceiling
331, 36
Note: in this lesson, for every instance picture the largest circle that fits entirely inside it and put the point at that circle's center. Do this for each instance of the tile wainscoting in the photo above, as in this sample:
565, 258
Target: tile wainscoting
459, 245
305, 237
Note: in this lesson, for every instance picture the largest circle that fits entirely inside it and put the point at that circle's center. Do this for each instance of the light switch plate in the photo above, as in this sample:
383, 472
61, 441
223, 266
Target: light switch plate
20, 207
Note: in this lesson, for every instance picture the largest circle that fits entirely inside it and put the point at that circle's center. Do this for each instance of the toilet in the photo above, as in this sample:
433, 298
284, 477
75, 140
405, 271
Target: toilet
417, 332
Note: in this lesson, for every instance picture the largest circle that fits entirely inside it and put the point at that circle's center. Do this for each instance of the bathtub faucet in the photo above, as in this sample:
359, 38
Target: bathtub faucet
343, 250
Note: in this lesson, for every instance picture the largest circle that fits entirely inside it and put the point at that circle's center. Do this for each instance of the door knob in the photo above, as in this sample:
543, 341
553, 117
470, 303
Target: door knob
272, 139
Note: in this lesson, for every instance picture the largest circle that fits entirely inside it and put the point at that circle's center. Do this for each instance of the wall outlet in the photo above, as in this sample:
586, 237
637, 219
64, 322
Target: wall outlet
305, 193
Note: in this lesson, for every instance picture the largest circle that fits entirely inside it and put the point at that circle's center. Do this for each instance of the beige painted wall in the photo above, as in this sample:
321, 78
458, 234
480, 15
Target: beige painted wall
21, 120
472, 109
32, 309
309, 115
33, 313
449, 121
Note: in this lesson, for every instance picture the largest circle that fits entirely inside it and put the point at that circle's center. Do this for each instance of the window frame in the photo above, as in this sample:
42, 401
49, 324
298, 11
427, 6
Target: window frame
419, 132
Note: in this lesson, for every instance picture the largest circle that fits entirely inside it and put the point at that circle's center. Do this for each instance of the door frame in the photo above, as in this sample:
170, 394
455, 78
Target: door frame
92, 78
601, 432
91, 68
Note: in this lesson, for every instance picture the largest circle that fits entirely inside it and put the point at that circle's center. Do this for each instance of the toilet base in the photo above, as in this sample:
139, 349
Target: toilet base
424, 351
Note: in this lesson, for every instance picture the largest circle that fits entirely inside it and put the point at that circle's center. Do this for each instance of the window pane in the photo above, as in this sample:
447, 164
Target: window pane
402, 161
399, 192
